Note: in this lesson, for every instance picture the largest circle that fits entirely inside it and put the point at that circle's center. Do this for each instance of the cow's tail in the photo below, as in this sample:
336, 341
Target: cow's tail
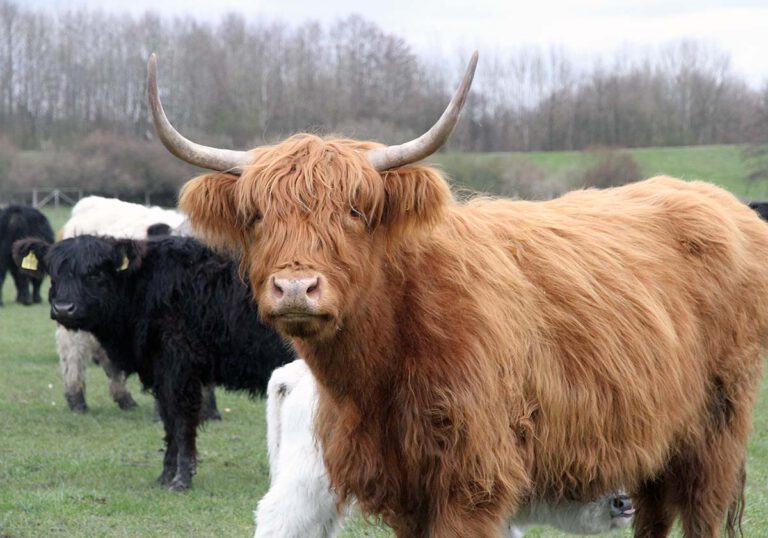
736, 510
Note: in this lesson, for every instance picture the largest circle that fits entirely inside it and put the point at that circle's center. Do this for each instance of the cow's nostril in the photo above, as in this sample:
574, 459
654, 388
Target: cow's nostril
622, 502
64, 308
296, 292
277, 289
314, 287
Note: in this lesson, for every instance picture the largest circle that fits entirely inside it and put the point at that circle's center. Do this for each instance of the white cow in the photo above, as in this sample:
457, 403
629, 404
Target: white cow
301, 504
102, 216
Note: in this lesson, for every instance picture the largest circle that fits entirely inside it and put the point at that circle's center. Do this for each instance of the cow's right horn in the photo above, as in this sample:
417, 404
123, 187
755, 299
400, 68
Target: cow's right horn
222, 160
422, 147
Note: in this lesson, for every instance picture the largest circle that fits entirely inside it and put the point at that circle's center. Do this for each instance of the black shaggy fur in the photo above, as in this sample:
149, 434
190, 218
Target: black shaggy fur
761, 208
158, 230
18, 222
170, 310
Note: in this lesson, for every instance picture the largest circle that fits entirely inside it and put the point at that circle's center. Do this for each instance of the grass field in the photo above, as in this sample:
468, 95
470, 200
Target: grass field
721, 164
93, 476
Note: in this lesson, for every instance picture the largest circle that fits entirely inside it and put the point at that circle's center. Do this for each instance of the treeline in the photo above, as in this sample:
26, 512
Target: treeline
239, 83
684, 93
231, 82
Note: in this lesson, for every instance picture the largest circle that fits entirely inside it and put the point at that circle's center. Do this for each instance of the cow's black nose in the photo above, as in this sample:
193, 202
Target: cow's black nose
621, 503
61, 309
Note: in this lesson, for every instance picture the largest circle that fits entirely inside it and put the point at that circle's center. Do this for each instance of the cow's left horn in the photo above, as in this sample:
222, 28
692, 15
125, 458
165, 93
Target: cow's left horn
222, 160
428, 143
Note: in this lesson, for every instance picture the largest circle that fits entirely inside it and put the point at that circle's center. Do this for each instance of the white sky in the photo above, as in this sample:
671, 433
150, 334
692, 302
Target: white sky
582, 27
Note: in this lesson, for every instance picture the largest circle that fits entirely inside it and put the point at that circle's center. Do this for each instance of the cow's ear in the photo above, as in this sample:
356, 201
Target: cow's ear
416, 197
209, 202
29, 255
128, 256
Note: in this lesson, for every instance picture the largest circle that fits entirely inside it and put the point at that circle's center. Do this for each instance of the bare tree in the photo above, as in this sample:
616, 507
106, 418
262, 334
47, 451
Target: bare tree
242, 82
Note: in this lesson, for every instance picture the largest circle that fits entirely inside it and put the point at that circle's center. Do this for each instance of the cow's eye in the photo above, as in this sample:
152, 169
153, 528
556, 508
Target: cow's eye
255, 218
94, 277
354, 213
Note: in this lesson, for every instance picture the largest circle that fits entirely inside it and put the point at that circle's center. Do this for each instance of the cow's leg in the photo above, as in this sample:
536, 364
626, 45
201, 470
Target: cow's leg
460, 517
117, 381
654, 510
37, 283
171, 448
463, 524
711, 482
185, 405
74, 348
22, 286
705, 494
404, 527
210, 410
710, 471
3, 270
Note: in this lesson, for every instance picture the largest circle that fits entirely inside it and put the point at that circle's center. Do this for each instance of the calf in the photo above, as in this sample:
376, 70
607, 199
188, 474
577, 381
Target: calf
170, 310
113, 217
301, 504
17, 222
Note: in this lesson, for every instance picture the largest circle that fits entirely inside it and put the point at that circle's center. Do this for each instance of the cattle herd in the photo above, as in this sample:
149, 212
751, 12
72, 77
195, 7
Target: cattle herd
455, 368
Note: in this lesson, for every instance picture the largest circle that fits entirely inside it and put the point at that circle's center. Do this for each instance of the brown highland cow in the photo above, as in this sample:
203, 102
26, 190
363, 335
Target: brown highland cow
474, 355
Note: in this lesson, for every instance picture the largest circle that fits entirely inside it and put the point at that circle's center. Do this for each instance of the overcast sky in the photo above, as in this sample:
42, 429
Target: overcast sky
583, 27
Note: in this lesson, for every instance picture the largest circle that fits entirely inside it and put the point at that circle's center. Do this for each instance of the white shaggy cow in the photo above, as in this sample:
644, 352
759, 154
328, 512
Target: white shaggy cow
300, 503
113, 217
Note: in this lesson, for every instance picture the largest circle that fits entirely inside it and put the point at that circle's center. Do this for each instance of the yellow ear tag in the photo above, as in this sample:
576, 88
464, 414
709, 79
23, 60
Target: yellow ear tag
124, 265
29, 262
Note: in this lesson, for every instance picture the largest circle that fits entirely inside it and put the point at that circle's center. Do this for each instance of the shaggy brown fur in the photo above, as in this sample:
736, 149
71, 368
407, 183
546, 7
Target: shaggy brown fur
477, 353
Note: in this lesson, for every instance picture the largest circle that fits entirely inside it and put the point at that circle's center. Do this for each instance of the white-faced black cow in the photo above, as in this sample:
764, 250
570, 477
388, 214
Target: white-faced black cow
170, 310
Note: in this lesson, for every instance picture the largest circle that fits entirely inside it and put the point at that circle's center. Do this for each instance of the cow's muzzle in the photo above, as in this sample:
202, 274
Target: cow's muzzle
62, 310
296, 294
294, 303
622, 510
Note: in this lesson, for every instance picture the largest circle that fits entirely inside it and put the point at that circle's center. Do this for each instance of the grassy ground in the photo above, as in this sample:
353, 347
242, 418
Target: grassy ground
69, 475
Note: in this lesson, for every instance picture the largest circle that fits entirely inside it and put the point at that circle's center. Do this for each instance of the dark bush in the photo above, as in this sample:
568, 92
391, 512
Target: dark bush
523, 179
514, 176
473, 172
103, 163
612, 169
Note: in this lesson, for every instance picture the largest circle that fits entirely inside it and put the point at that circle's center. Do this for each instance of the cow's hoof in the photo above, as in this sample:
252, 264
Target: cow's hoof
165, 478
37, 300
76, 402
212, 414
177, 484
126, 402
25, 302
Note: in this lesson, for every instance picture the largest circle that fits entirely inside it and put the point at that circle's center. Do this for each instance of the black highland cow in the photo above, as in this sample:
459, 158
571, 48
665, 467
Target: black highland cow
18, 222
170, 310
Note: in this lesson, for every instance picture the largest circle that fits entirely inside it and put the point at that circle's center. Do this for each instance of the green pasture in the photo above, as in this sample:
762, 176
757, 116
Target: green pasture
723, 165
93, 475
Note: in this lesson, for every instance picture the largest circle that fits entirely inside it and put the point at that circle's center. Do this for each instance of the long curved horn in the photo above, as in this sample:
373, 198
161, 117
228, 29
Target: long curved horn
428, 143
222, 160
